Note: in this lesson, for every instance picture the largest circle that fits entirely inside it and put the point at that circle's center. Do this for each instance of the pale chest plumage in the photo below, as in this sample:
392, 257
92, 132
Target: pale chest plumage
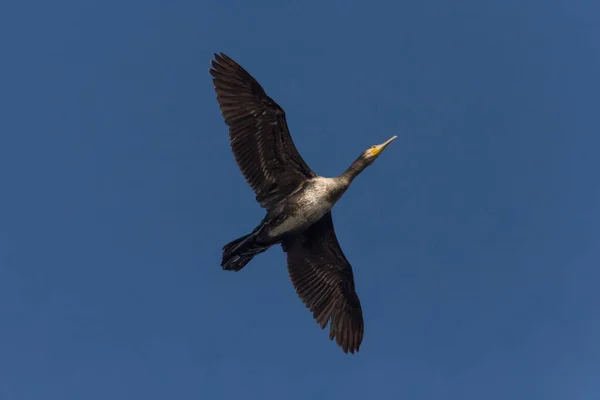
308, 206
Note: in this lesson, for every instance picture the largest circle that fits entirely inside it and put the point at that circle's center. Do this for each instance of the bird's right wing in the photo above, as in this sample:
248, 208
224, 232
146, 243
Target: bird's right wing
323, 278
258, 133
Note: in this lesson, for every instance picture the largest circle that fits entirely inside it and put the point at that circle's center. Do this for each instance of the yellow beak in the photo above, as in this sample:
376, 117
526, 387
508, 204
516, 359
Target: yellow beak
380, 147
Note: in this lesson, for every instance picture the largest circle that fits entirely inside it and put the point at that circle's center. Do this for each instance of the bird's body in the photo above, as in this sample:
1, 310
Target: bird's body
298, 203
313, 199
293, 215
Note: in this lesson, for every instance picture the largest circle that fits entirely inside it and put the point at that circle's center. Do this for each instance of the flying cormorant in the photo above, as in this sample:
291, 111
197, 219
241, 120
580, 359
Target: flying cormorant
297, 202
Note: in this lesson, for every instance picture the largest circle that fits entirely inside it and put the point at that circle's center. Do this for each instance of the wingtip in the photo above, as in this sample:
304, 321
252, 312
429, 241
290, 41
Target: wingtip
220, 56
216, 58
217, 62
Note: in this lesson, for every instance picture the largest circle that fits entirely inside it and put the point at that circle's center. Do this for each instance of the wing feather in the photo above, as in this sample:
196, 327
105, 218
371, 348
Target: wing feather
324, 281
258, 133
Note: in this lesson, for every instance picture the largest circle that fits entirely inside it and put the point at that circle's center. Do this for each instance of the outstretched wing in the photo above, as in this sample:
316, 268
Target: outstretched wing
323, 278
258, 133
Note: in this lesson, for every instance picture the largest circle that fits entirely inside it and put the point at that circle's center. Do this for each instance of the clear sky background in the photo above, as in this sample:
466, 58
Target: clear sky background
475, 238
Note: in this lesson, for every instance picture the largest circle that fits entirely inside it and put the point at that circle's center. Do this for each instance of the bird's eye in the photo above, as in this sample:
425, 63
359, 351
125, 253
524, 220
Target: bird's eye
374, 146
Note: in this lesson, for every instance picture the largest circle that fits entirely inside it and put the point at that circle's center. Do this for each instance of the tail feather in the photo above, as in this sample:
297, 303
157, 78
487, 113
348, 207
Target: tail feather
239, 252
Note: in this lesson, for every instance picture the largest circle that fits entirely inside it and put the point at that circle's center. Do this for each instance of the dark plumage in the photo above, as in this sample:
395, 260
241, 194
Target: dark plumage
297, 202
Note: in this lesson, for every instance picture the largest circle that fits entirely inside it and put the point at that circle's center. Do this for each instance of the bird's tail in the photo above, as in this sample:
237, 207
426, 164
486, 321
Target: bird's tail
239, 252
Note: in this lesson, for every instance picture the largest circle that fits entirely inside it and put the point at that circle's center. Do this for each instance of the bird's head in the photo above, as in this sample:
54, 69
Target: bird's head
371, 154
365, 159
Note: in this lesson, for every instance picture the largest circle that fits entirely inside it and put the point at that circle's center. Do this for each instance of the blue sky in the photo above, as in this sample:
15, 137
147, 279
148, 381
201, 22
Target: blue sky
475, 239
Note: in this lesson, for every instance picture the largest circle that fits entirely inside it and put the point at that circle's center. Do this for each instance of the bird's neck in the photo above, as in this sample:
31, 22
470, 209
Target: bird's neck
356, 168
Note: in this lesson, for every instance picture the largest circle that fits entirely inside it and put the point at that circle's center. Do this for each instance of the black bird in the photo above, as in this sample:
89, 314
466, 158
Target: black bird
298, 203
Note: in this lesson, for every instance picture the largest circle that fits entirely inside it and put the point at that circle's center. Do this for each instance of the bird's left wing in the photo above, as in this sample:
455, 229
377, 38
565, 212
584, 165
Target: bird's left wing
323, 279
258, 133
